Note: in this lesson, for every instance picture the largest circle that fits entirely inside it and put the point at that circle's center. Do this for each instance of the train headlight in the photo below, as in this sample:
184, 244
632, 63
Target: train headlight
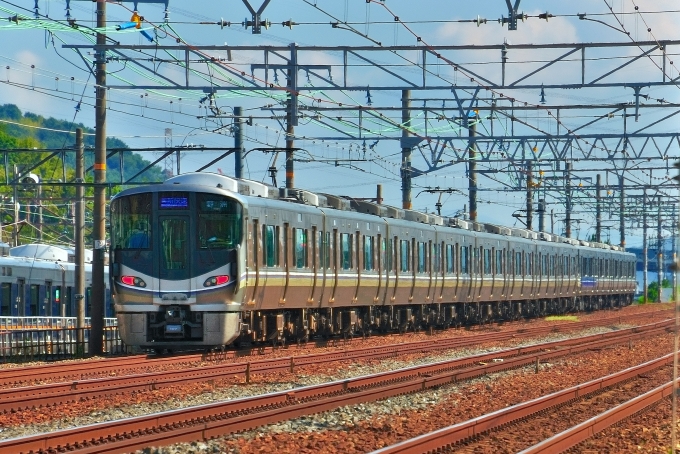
133, 280
216, 280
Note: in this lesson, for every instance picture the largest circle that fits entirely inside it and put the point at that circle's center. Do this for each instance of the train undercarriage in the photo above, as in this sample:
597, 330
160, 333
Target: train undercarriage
302, 325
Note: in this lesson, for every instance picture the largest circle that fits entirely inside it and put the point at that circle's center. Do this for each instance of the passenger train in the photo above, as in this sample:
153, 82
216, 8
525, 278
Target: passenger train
207, 260
38, 280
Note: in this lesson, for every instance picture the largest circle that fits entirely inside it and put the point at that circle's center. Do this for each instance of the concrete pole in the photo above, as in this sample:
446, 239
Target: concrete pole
405, 151
378, 195
79, 240
598, 209
98, 226
541, 215
238, 143
291, 119
530, 198
472, 167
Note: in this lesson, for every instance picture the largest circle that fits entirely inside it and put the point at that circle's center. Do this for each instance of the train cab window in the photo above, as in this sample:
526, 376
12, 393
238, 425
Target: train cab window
465, 259
131, 222
346, 251
404, 261
219, 222
499, 261
368, 253
271, 246
450, 257
300, 247
174, 247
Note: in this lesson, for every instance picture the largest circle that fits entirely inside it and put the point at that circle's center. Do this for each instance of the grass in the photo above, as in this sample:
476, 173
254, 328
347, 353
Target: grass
562, 318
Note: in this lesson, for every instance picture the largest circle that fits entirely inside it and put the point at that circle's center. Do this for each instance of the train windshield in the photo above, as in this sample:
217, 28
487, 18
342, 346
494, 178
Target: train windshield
219, 222
131, 222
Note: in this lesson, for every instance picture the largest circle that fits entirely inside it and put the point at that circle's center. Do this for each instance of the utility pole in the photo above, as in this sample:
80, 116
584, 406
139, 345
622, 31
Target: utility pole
598, 209
567, 219
378, 195
472, 167
79, 240
530, 198
405, 151
99, 228
622, 225
291, 120
238, 143
541, 215
15, 199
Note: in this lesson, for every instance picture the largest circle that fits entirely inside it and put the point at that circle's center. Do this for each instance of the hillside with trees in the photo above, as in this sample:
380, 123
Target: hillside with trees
45, 147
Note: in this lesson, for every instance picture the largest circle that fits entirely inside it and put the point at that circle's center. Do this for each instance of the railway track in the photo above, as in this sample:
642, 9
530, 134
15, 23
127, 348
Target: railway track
466, 436
84, 370
210, 421
14, 399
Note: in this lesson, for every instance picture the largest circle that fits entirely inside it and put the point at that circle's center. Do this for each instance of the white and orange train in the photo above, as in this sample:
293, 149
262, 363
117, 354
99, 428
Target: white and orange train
207, 260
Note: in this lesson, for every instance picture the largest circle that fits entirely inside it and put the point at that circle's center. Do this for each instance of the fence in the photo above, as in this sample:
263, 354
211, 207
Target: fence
52, 338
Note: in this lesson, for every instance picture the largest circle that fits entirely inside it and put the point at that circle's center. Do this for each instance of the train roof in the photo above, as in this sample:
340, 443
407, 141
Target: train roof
55, 253
248, 188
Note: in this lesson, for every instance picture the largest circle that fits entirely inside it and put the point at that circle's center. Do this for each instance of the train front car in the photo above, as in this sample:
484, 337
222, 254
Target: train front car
174, 269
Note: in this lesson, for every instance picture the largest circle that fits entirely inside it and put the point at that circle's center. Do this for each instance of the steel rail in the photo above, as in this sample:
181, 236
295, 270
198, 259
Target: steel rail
14, 377
212, 420
14, 399
587, 429
449, 436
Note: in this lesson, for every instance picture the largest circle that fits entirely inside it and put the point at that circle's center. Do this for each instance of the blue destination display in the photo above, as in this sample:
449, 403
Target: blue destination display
174, 202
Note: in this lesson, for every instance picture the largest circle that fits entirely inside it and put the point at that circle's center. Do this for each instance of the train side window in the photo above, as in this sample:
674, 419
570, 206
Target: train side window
404, 253
422, 257
487, 261
499, 261
300, 247
368, 253
346, 251
510, 264
518, 263
271, 246
437, 258
449, 258
464, 260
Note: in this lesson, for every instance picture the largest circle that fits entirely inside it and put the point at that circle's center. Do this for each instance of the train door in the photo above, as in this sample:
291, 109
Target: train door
271, 273
19, 298
253, 261
332, 274
174, 263
6, 299
33, 299
46, 299
316, 241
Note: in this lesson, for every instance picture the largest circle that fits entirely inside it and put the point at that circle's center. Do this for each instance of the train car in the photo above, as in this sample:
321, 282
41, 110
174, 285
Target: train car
38, 280
205, 260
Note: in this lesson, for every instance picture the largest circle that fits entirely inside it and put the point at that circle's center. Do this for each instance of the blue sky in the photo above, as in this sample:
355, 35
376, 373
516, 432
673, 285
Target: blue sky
141, 118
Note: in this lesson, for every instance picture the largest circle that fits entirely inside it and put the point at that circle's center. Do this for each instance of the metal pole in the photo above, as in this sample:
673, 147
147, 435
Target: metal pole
472, 168
15, 199
659, 254
567, 219
530, 198
405, 151
238, 143
598, 209
644, 247
98, 226
40, 211
541, 215
622, 225
79, 240
552, 221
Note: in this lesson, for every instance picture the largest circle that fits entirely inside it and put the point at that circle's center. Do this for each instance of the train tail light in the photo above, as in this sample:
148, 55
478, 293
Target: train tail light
216, 280
133, 280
